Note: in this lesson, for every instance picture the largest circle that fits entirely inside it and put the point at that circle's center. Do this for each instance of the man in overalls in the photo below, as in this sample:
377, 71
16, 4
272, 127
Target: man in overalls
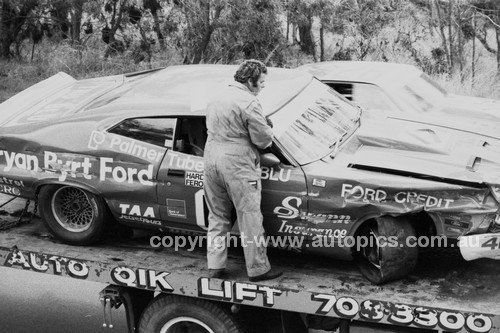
237, 128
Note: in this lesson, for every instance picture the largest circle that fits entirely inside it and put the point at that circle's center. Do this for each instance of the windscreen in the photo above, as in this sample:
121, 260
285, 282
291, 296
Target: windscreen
314, 123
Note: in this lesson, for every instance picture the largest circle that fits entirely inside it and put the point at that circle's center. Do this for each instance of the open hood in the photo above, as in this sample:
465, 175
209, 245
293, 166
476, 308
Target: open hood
404, 148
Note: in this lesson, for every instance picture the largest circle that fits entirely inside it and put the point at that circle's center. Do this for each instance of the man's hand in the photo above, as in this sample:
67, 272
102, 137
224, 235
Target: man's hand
269, 122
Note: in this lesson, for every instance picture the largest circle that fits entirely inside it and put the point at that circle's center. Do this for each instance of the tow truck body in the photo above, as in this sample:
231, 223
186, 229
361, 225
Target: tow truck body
445, 293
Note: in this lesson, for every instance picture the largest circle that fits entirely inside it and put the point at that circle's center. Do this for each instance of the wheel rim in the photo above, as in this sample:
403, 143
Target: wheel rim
73, 209
185, 325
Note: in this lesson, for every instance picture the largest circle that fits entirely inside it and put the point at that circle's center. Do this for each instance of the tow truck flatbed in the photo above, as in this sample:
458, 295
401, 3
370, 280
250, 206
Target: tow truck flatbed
445, 293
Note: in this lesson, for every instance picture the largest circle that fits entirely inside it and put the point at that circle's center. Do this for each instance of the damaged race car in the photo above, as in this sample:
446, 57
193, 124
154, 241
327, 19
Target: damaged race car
130, 148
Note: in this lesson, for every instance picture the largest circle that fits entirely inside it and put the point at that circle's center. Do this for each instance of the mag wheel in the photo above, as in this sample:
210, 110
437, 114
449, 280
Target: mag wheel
72, 214
383, 252
177, 314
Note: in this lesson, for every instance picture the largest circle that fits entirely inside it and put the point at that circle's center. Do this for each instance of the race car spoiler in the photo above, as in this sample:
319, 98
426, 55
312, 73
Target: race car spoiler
480, 246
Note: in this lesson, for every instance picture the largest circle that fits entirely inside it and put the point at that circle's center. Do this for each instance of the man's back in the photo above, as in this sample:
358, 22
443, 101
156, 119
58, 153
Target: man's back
235, 118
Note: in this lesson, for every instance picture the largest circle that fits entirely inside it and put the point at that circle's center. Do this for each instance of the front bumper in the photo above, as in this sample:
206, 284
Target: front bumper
480, 246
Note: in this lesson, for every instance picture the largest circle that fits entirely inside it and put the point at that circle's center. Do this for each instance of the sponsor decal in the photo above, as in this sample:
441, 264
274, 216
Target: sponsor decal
458, 224
357, 192
125, 175
139, 213
101, 140
141, 278
176, 208
362, 193
283, 175
290, 210
7, 181
44, 263
185, 162
422, 199
74, 166
298, 229
238, 292
328, 218
287, 211
7, 189
319, 182
194, 179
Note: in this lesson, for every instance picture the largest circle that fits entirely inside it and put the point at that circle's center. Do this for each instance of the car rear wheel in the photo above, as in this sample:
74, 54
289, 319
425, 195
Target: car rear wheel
383, 252
72, 214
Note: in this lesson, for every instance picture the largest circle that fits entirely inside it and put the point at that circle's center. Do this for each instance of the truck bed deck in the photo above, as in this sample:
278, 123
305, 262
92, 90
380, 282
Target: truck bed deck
445, 292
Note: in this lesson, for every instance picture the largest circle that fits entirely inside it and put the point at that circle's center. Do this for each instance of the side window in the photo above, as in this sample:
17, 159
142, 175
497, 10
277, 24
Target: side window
344, 89
191, 136
157, 131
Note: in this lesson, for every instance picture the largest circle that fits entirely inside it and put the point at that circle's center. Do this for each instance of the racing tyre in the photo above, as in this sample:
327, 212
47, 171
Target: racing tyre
382, 252
72, 214
177, 314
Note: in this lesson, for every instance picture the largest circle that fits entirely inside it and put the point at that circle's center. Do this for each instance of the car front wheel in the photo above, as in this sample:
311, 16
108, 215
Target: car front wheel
384, 251
72, 214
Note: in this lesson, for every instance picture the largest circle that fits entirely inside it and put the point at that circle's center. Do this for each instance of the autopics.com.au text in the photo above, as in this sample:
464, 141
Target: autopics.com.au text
191, 242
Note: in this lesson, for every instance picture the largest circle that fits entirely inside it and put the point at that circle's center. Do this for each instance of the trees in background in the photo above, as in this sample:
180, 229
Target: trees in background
439, 35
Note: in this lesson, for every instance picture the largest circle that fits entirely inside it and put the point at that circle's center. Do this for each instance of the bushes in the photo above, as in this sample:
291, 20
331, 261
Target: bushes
87, 61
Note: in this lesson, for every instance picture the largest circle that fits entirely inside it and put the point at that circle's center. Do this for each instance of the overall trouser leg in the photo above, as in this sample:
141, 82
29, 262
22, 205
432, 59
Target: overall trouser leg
219, 219
246, 196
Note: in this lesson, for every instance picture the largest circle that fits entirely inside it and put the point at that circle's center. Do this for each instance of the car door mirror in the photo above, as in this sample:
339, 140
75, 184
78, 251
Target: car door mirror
269, 160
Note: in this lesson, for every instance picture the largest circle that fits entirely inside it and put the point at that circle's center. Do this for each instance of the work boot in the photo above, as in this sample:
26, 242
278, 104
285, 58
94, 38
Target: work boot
217, 273
269, 275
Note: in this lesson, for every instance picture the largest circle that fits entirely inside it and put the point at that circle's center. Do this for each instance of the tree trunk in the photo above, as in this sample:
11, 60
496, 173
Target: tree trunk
322, 43
157, 28
450, 35
443, 36
4, 31
473, 65
497, 30
76, 22
306, 37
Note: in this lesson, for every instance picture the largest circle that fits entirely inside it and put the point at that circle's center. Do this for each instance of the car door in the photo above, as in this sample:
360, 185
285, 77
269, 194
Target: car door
180, 177
132, 152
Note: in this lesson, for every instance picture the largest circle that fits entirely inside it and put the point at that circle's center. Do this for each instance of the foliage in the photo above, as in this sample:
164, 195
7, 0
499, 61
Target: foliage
449, 38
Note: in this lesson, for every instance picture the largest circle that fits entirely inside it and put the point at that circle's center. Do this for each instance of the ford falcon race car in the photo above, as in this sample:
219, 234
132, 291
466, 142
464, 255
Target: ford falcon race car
130, 148
404, 91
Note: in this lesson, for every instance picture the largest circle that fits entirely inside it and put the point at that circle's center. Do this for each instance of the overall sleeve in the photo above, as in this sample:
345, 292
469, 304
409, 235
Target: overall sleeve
261, 134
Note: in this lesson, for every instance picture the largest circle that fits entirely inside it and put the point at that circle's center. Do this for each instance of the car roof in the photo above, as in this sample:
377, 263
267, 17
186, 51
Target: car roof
174, 90
380, 73
186, 90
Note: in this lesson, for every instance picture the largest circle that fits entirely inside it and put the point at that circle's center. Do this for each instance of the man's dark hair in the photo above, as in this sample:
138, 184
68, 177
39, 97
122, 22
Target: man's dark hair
250, 69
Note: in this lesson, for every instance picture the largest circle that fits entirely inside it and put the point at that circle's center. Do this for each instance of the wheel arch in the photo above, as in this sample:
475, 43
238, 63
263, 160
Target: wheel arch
39, 184
422, 222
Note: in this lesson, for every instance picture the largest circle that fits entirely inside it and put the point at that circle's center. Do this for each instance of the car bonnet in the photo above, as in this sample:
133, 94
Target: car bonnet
415, 150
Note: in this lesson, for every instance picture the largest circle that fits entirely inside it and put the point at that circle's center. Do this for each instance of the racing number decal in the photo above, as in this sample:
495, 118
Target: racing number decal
199, 204
492, 243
